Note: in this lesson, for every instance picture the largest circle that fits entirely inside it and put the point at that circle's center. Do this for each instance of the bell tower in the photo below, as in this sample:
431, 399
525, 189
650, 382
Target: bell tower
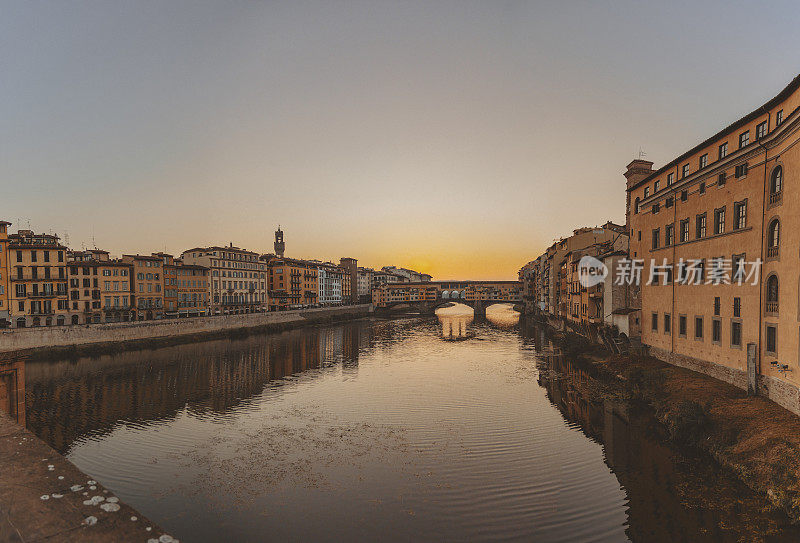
280, 246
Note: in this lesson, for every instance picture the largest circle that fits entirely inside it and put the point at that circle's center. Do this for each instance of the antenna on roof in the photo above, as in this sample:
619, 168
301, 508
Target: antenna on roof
642, 154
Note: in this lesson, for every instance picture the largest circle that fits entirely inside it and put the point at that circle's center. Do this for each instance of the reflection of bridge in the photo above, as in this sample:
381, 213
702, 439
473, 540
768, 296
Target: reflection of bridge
426, 297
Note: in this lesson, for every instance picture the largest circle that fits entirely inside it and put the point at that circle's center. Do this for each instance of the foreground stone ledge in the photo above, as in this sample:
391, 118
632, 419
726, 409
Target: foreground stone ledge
43, 495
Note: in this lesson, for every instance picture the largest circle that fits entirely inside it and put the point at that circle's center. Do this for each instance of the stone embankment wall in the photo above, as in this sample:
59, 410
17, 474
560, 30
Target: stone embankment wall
129, 332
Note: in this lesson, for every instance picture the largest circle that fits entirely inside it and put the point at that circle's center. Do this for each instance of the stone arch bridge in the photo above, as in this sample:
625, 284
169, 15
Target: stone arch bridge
426, 297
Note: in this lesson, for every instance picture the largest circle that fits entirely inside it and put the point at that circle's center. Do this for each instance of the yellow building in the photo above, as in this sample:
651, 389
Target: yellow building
293, 283
147, 294
37, 280
714, 210
99, 288
237, 278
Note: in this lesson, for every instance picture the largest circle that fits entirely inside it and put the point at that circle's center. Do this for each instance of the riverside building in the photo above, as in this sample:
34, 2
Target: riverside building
238, 278
716, 230
99, 288
37, 294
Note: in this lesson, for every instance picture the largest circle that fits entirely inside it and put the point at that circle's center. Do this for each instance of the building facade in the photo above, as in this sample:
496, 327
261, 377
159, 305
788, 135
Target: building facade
715, 229
293, 283
147, 294
5, 308
238, 278
350, 289
37, 280
330, 277
99, 288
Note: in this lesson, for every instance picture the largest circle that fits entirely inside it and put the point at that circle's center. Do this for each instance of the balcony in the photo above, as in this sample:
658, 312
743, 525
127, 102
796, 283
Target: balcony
776, 197
773, 252
772, 307
45, 295
42, 312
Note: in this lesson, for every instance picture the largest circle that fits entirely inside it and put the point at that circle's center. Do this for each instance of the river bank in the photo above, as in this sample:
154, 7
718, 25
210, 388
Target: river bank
96, 339
751, 436
43, 496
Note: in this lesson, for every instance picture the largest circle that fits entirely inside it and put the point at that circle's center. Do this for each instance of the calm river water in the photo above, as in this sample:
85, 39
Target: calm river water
415, 429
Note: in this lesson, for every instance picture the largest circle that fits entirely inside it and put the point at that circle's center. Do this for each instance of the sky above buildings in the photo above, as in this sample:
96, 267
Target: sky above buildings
457, 138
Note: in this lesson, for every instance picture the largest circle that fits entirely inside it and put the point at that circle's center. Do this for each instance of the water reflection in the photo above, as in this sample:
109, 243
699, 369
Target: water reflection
672, 495
455, 319
70, 400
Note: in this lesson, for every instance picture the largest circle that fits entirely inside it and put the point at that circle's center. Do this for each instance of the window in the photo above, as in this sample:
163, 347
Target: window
737, 307
761, 130
716, 306
744, 139
646, 192
772, 340
635, 211
723, 150
737, 267
740, 171
776, 185
716, 331
772, 294
684, 195
682, 325
700, 231
739, 215
704, 161
719, 221
656, 237
779, 118
721, 180
685, 171
669, 235
702, 188
670, 179
669, 201
736, 334
667, 323
698, 328
654, 322
656, 208
773, 238
685, 230
656, 186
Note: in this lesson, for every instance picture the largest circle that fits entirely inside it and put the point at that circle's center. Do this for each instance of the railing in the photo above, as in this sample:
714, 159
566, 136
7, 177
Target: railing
772, 307
775, 197
772, 252
44, 295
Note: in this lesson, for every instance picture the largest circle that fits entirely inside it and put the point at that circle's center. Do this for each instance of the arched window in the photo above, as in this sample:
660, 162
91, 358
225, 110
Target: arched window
772, 294
776, 185
774, 233
773, 238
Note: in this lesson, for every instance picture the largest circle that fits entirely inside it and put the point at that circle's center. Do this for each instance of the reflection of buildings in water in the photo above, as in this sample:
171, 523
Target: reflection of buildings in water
657, 479
67, 400
12, 389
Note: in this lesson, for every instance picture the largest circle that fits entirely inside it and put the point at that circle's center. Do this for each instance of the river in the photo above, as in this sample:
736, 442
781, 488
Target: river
409, 429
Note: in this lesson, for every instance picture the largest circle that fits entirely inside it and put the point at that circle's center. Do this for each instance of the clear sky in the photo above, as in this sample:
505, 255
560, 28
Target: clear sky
459, 138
